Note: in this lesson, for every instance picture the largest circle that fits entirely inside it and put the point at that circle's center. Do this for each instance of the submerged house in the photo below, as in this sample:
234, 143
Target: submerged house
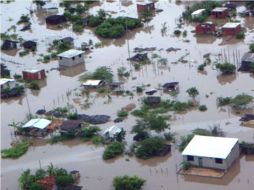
211, 152
205, 28
246, 62
145, 6
71, 57
231, 28
37, 127
170, 86
71, 127
69, 40
56, 19
34, 74
93, 83
219, 12
111, 132
9, 45
31, 45
197, 13
7, 83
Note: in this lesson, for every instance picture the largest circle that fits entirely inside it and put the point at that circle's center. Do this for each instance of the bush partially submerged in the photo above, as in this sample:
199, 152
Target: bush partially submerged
17, 150
128, 183
113, 150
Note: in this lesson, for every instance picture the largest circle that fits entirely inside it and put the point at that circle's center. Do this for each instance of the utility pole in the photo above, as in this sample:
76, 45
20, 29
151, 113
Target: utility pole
28, 106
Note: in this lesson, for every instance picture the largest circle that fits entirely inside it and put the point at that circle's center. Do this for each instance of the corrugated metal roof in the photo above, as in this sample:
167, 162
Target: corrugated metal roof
5, 80
231, 25
112, 131
37, 123
212, 147
219, 9
70, 53
33, 70
197, 12
92, 83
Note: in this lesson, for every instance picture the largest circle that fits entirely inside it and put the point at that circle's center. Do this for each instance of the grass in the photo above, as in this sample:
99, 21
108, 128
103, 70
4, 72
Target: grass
17, 150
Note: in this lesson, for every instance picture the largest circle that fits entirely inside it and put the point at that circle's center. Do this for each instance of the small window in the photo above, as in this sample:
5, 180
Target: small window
190, 158
73, 58
60, 58
79, 55
218, 161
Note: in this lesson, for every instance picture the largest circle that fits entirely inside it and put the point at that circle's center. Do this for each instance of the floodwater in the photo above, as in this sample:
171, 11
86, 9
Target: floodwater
159, 173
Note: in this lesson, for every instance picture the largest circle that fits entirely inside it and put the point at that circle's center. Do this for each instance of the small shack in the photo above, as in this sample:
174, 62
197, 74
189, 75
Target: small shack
231, 28
219, 13
56, 19
34, 74
38, 123
31, 45
93, 83
205, 28
72, 127
170, 86
7, 83
69, 40
71, 57
9, 45
111, 132
145, 6
211, 152
246, 62
197, 13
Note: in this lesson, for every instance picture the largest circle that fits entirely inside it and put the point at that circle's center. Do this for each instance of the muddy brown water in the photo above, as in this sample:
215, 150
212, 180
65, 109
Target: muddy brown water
159, 173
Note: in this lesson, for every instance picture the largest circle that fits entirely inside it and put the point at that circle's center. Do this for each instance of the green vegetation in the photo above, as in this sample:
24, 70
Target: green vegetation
89, 132
177, 32
202, 108
208, 5
122, 72
193, 92
5, 36
149, 147
72, 116
113, 150
238, 101
184, 141
116, 27
34, 85
17, 150
122, 113
29, 181
101, 73
185, 166
251, 47
128, 183
201, 67
139, 89
226, 68
240, 35
24, 19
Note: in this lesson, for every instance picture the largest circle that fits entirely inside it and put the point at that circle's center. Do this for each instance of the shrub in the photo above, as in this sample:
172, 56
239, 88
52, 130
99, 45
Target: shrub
17, 76
122, 113
226, 68
112, 150
202, 108
128, 183
193, 92
103, 73
169, 136
17, 150
185, 166
89, 132
240, 35
149, 147
139, 89
201, 67
77, 28
34, 85
177, 32
64, 180
184, 141
97, 140
251, 47
73, 116
224, 101
241, 100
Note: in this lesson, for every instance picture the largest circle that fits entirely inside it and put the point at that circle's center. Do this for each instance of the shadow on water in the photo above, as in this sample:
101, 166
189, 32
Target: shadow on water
225, 180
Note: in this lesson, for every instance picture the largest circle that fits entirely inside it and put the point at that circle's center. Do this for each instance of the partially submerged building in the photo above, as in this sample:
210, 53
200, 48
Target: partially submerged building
246, 61
93, 83
71, 57
9, 45
31, 45
56, 19
34, 74
197, 13
170, 86
205, 28
111, 132
211, 152
38, 123
231, 28
7, 83
145, 6
71, 127
219, 12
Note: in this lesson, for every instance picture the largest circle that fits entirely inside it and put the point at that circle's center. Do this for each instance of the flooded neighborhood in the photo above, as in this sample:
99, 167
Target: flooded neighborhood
126, 94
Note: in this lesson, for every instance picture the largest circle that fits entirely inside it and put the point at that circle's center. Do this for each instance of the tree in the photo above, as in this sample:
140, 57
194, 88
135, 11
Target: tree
241, 100
156, 122
112, 150
226, 68
128, 183
193, 92
103, 73
251, 47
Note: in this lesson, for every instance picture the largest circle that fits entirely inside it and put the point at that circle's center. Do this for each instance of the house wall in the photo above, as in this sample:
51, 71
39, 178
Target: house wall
34, 76
147, 7
68, 62
231, 31
220, 15
10, 84
205, 29
210, 162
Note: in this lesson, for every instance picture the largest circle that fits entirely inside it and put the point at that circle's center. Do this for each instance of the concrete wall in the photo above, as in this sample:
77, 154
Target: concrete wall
210, 162
68, 62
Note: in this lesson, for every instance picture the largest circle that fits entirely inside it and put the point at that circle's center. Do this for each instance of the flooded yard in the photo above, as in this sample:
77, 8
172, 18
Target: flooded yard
160, 173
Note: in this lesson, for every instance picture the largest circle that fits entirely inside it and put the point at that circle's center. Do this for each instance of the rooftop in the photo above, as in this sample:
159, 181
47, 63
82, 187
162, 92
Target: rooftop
145, 3
112, 130
70, 53
32, 70
5, 80
197, 12
249, 57
92, 83
219, 9
212, 147
37, 123
231, 25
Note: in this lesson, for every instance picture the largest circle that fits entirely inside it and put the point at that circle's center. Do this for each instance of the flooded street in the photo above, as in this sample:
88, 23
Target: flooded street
160, 173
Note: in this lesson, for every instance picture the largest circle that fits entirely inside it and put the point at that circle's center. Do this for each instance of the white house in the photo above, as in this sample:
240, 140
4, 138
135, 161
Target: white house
197, 13
211, 152
7, 83
70, 58
112, 131
93, 83
38, 123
